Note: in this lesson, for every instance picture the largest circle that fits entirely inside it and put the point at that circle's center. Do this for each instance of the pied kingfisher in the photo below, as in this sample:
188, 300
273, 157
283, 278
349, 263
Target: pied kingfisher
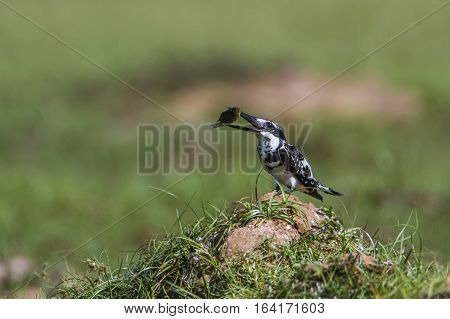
284, 161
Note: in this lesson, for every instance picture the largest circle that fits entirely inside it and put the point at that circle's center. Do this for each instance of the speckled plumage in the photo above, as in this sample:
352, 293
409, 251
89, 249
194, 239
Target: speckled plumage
284, 161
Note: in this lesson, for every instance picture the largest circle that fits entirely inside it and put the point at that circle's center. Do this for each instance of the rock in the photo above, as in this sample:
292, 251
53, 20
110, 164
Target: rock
306, 216
248, 238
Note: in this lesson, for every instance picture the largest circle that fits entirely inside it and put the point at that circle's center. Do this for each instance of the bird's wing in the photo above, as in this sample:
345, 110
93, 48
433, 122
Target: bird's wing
295, 162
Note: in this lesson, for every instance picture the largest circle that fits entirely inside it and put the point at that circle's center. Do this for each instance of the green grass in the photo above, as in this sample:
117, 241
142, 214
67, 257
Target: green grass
321, 264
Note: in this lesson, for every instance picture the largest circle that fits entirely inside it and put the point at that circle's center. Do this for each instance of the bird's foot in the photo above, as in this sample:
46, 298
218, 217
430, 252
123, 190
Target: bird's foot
289, 191
277, 190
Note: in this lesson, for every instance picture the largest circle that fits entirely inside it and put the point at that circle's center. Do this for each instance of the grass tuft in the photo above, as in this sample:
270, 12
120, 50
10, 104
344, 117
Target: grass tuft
331, 262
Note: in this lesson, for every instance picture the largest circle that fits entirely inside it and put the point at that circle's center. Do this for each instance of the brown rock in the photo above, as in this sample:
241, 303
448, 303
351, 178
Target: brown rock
306, 216
248, 238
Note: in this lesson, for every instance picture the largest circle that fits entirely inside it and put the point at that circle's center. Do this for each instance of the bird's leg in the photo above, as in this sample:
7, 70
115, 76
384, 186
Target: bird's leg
290, 190
277, 188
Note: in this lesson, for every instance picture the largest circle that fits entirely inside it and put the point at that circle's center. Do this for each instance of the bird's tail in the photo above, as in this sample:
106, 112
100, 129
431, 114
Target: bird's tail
216, 125
328, 190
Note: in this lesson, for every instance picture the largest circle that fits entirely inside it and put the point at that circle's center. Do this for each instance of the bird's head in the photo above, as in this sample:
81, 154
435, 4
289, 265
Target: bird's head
264, 127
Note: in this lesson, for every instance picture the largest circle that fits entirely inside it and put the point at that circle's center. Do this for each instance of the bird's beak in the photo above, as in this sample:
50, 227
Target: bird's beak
254, 121
245, 128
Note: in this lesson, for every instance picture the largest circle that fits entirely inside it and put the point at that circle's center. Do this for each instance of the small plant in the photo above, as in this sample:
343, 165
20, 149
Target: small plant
329, 262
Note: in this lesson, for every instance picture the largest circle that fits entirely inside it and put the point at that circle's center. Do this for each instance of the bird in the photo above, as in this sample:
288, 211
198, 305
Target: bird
230, 115
285, 162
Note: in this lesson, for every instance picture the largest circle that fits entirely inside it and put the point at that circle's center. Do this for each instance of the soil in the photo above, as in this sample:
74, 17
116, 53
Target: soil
247, 239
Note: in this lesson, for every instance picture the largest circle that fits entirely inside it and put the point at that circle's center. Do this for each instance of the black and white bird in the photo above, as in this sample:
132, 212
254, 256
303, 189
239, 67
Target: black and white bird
284, 161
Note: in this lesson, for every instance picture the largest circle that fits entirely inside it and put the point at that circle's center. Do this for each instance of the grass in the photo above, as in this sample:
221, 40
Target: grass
321, 264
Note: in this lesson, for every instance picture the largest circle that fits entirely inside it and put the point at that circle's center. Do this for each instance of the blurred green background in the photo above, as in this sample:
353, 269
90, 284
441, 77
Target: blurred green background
68, 130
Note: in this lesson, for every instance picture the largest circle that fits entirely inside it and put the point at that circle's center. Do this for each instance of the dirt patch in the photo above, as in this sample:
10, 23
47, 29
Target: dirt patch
366, 261
195, 92
347, 261
271, 93
15, 269
248, 238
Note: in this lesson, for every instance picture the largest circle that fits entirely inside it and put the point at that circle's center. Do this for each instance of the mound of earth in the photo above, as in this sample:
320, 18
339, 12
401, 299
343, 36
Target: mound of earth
274, 247
246, 239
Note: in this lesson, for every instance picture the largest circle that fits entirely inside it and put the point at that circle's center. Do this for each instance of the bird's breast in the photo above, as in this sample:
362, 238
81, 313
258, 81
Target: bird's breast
285, 177
269, 158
